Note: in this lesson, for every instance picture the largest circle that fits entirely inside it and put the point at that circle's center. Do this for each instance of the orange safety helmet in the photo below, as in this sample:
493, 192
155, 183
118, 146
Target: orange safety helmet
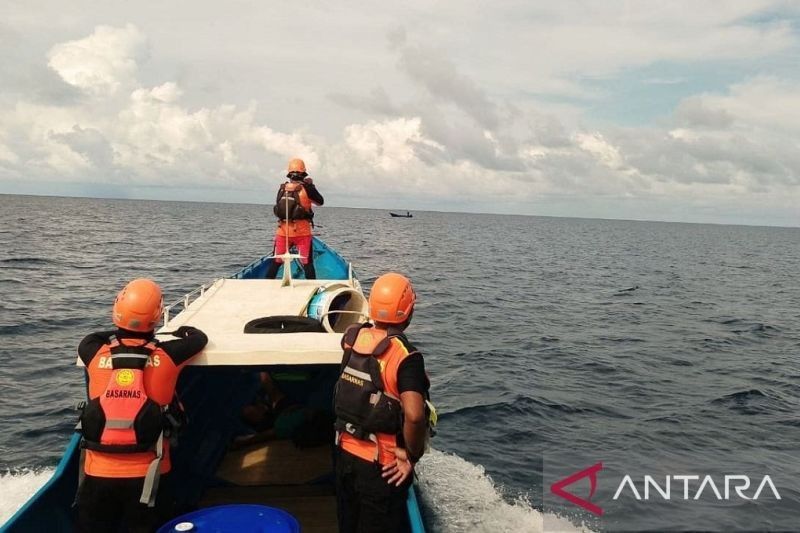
392, 299
297, 165
138, 306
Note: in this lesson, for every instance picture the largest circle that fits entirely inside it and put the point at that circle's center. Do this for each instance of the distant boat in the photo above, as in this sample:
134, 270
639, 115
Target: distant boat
400, 215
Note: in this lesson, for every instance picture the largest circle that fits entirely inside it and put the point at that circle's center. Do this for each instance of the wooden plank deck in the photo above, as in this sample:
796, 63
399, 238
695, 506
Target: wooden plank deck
276, 462
279, 475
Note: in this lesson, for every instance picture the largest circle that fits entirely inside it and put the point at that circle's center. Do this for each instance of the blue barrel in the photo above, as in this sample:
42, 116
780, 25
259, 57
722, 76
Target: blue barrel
318, 305
234, 519
338, 306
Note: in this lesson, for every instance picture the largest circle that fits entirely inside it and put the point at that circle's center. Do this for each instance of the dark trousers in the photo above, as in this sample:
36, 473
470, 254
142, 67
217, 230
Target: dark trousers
109, 505
365, 502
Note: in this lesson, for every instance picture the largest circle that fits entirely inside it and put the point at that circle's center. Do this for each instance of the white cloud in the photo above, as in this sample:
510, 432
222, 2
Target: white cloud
388, 145
748, 138
7, 155
101, 63
128, 133
606, 153
763, 102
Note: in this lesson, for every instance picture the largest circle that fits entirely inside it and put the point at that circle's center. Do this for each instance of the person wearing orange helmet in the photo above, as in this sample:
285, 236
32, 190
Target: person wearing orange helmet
294, 210
131, 399
380, 403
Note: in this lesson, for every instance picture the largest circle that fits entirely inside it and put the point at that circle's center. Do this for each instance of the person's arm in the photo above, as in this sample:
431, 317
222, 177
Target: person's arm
313, 193
412, 383
190, 343
89, 346
415, 426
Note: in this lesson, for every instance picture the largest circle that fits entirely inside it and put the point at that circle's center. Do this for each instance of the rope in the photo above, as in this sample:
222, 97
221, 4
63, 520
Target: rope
286, 229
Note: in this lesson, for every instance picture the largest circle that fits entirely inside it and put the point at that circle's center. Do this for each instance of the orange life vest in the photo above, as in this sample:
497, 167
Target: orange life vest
123, 419
158, 379
299, 223
367, 398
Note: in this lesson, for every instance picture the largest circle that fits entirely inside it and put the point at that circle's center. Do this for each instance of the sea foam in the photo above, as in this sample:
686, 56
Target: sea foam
464, 498
18, 487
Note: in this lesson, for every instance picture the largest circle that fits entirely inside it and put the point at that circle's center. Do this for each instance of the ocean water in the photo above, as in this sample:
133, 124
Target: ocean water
551, 344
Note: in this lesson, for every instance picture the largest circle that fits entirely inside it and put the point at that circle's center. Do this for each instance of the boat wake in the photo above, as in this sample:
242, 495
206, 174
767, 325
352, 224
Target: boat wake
458, 496
17, 488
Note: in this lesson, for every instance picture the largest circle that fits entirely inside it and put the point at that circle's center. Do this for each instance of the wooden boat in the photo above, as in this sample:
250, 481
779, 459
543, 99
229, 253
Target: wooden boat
400, 215
224, 378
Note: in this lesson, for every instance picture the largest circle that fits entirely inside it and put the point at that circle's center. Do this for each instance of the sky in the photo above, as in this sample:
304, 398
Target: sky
681, 111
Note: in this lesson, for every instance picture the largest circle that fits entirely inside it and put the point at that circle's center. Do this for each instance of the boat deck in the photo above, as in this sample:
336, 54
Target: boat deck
278, 474
223, 310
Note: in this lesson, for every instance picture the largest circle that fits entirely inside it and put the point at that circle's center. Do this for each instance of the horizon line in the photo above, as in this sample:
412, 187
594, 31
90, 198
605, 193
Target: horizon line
133, 199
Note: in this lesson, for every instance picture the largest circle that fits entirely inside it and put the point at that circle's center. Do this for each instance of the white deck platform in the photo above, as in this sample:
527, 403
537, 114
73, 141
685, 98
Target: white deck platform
224, 309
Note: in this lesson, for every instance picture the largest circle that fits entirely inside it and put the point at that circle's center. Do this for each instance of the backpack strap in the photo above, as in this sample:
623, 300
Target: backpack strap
348, 340
134, 357
151, 479
351, 334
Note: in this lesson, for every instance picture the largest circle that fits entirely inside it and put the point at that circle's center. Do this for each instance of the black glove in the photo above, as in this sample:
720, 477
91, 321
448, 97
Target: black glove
184, 331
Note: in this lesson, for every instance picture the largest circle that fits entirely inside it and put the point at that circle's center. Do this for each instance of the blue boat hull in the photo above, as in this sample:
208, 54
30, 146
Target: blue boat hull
328, 264
213, 420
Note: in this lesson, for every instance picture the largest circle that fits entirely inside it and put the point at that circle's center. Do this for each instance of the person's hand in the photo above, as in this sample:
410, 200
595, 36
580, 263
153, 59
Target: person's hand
398, 470
308, 181
184, 331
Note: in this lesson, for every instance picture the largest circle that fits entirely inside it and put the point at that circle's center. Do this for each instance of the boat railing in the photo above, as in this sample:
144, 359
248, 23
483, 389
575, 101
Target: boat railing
185, 300
252, 267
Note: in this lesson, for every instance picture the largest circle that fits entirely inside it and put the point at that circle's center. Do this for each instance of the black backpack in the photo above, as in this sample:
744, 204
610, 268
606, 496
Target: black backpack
289, 206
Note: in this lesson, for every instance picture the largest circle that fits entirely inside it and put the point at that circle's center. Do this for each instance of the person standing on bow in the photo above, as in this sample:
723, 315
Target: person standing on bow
293, 207
380, 403
131, 402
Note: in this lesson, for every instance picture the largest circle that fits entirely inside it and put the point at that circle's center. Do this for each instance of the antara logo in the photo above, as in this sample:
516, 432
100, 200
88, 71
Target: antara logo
557, 488
739, 483
690, 488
